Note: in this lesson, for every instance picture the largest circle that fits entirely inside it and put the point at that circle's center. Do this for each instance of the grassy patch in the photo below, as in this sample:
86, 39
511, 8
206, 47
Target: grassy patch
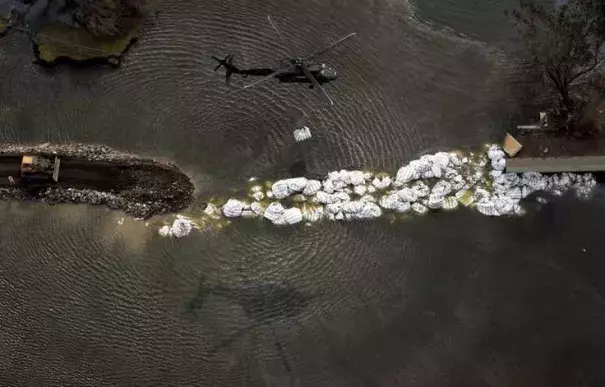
4, 24
56, 40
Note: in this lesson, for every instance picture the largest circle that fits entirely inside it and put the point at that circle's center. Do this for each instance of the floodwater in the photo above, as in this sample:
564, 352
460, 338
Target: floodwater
451, 299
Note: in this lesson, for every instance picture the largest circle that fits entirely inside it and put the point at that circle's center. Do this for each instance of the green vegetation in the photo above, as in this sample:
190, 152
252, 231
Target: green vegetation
57, 40
106, 17
4, 24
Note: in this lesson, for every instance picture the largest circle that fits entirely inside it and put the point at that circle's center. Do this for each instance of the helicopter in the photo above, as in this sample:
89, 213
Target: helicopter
293, 69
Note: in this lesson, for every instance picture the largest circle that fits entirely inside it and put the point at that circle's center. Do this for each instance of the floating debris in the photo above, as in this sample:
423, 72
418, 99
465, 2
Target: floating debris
182, 226
302, 134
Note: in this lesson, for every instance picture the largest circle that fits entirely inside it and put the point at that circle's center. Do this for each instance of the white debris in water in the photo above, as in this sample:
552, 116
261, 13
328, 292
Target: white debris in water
279, 215
312, 214
292, 215
283, 188
182, 226
302, 134
257, 193
450, 203
274, 212
419, 208
437, 182
382, 182
312, 187
233, 208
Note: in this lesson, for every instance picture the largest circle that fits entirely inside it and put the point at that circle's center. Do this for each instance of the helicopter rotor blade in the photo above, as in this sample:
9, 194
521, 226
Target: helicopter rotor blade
276, 73
316, 83
281, 37
331, 46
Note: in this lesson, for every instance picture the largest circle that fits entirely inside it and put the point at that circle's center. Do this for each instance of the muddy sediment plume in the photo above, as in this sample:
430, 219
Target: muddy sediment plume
99, 175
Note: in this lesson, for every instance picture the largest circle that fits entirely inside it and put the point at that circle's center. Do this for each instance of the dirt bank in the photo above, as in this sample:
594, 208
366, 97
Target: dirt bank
99, 175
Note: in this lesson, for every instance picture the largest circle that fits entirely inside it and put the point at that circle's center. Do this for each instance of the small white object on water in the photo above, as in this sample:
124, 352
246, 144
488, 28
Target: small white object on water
233, 208
312, 187
408, 194
302, 134
274, 212
381, 182
211, 209
280, 189
292, 215
283, 188
258, 196
450, 203
121, 221
248, 214
435, 202
419, 208
181, 227
312, 214
257, 208
279, 215
164, 231
360, 190
297, 184
257, 193
421, 189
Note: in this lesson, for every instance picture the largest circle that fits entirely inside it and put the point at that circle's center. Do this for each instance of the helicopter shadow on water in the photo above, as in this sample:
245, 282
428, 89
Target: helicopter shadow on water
271, 305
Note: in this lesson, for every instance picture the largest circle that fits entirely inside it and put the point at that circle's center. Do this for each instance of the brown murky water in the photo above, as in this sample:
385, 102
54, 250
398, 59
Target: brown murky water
453, 299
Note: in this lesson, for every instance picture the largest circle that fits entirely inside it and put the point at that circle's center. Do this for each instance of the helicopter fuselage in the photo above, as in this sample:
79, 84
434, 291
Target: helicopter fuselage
320, 71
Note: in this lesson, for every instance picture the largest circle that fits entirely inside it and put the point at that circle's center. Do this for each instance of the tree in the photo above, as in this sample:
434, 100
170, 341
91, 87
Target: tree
563, 44
105, 17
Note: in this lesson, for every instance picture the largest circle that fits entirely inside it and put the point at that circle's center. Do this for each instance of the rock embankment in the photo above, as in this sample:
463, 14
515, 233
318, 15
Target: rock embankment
99, 175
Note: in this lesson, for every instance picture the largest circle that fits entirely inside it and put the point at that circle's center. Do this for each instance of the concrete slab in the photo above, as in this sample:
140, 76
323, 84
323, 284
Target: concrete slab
556, 164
